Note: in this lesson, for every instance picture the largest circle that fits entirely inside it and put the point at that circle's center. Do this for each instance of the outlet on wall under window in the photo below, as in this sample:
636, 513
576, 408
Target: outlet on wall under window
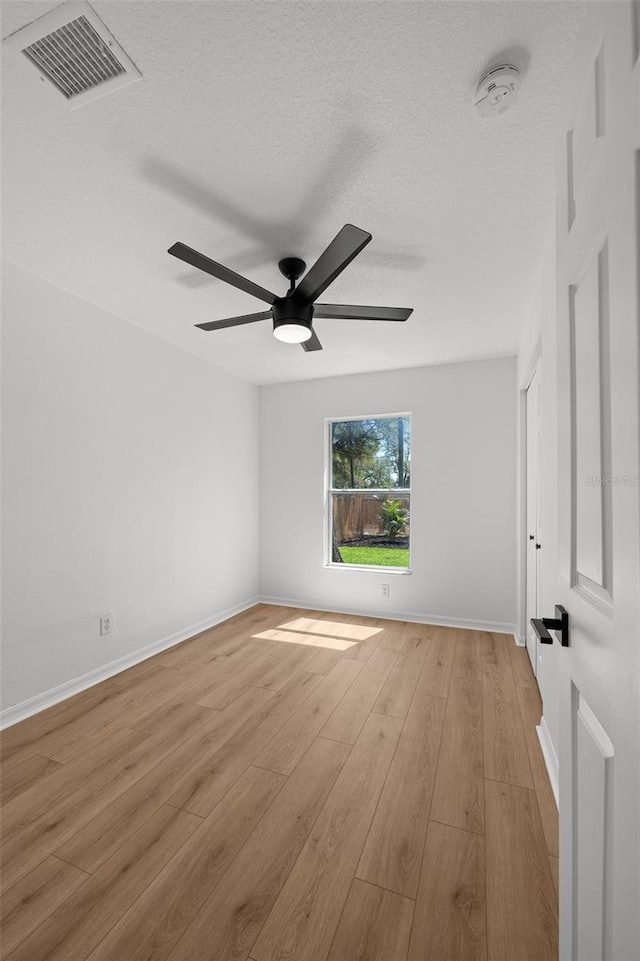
105, 624
385, 590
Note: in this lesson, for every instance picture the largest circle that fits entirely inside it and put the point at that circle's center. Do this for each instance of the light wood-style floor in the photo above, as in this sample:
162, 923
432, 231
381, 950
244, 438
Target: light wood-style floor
289, 785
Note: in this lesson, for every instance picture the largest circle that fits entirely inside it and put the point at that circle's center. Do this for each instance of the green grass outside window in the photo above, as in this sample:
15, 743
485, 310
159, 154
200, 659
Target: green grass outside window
375, 556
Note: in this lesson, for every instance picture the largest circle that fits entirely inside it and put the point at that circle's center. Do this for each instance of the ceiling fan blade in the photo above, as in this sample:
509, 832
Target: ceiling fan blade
313, 343
190, 256
351, 312
235, 321
340, 252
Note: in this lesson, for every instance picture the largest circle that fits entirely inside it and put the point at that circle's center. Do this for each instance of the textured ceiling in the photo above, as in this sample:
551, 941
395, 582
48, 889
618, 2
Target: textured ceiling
257, 131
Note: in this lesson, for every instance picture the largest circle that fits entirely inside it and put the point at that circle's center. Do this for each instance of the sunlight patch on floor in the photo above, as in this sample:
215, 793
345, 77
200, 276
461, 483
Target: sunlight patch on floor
311, 640
352, 632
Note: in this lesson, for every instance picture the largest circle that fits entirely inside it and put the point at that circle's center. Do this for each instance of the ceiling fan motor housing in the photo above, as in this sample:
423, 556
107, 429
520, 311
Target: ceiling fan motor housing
292, 310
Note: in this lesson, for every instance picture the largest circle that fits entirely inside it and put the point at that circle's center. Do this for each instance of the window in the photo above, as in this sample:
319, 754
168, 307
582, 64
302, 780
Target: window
369, 495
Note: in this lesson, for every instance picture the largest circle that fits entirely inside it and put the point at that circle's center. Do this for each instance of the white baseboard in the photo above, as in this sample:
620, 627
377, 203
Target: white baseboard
550, 757
40, 702
494, 627
33, 705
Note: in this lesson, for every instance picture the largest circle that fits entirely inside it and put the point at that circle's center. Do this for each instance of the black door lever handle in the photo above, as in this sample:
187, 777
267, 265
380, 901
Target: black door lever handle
542, 626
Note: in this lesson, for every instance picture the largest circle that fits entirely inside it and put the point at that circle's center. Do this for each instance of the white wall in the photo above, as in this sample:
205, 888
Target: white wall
130, 486
463, 515
539, 339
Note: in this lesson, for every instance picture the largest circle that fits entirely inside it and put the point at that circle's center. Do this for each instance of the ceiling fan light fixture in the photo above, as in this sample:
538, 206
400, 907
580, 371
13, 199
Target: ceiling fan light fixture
292, 331
292, 320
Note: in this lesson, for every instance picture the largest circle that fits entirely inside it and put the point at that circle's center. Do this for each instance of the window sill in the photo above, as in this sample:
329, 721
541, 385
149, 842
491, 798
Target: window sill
369, 568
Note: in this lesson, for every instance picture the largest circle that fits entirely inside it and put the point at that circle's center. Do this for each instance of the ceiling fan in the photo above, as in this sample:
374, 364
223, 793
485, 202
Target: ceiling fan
293, 314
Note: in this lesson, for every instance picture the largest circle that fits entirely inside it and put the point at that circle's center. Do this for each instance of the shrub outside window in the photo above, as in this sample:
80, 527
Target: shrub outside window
369, 495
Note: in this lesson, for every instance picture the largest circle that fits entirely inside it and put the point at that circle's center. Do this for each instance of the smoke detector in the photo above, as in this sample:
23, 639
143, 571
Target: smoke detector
72, 49
498, 90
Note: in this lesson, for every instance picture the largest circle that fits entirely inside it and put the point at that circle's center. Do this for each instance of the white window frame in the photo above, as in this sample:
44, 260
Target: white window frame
329, 490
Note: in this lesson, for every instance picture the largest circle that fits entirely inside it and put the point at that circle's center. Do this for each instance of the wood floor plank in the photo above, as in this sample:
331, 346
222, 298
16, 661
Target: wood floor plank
533, 701
521, 667
393, 850
162, 716
347, 628
63, 782
212, 648
126, 756
279, 674
121, 705
322, 661
88, 745
151, 667
22, 771
125, 705
467, 659
37, 895
80, 923
302, 639
213, 645
216, 774
398, 689
449, 919
239, 678
228, 924
217, 657
375, 926
531, 711
306, 914
289, 745
554, 864
159, 918
35, 837
32, 733
179, 685
505, 749
348, 718
396, 635
495, 653
67, 744
363, 650
522, 913
99, 837
438, 665
458, 796
101, 725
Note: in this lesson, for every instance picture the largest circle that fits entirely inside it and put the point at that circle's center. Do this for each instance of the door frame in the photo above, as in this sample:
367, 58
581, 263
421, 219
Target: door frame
525, 380
537, 371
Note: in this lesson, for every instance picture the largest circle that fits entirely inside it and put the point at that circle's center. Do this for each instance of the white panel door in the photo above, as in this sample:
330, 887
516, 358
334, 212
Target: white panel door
534, 518
597, 178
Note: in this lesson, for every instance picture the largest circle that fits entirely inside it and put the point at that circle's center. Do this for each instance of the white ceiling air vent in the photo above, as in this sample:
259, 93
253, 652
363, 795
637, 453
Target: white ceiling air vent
74, 51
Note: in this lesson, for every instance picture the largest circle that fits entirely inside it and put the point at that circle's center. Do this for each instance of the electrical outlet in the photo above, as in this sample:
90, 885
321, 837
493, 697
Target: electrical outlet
385, 590
105, 624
